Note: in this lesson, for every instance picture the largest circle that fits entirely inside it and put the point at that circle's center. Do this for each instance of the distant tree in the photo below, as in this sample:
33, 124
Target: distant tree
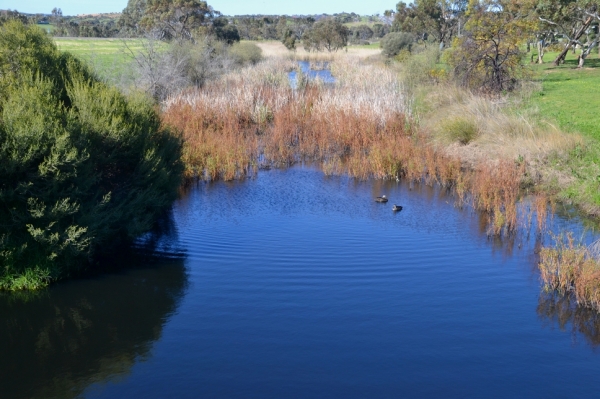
380, 30
488, 55
394, 42
572, 19
281, 27
326, 34
8, 15
56, 13
289, 40
167, 19
301, 25
225, 31
360, 33
437, 19
132, 14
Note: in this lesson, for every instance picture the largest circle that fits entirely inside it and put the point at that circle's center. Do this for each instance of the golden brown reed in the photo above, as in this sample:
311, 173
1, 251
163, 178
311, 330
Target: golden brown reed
571, 268
359, 126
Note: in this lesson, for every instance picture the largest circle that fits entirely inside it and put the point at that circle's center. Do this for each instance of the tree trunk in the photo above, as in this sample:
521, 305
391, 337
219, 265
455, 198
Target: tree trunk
563, 53
540, 49
581, 60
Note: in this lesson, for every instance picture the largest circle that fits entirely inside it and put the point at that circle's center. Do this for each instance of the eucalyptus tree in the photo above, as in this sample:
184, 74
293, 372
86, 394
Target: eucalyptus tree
488, 56
168, 19
439, 19
572, 19
327, 34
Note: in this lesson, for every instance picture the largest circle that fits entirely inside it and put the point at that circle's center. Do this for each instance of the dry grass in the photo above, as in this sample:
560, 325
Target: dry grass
500, 131
571, 268
276, 49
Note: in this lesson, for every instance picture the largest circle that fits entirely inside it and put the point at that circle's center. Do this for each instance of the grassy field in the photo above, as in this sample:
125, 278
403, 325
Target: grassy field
109, 57
568, 99
49, 28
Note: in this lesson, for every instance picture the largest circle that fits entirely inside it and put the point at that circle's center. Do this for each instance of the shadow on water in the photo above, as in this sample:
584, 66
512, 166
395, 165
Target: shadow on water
57, 342
561, 311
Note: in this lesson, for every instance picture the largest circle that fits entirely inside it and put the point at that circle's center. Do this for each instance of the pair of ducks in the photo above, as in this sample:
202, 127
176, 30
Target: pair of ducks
383, 199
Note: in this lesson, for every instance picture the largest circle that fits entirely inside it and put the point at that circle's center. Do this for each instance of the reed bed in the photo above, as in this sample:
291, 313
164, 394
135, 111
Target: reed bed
572, 269
361, 126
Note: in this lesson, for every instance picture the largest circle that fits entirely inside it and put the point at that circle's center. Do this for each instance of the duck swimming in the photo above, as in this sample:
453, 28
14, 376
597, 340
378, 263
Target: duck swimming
381, 199
397, 208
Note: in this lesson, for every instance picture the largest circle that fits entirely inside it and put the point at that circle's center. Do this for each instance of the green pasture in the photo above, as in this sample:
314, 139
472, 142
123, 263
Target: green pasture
109, 57
48, 28
569, 96
569, 99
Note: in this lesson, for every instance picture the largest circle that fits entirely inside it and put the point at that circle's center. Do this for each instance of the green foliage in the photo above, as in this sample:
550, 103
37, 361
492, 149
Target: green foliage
360, 33
289, 39
488, 57
167, 19
326, 34
439, 19
417, 69
245, 53
225, 31
393, 43
82, 168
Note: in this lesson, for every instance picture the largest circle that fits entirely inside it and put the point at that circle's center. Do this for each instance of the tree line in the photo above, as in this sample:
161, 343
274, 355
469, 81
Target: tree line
486, 40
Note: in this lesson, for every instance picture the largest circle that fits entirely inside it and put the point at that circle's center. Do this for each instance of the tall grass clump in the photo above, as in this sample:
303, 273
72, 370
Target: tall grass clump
500, 127
572, 269
458, 129
83, 169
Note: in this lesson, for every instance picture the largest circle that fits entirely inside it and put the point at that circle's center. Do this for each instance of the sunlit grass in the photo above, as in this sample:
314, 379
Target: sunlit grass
109, 57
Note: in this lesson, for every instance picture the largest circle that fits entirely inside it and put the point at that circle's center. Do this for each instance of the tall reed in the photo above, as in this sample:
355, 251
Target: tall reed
360, 126
572, 268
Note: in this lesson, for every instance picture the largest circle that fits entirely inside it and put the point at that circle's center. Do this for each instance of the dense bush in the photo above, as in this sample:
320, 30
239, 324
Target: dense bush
393, 43
326, 34
245, 53
82, 168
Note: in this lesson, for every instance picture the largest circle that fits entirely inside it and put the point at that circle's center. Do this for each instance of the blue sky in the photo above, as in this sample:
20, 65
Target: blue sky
228, 7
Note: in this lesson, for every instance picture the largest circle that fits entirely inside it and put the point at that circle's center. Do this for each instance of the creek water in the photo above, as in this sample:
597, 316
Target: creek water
323, 74
294, 284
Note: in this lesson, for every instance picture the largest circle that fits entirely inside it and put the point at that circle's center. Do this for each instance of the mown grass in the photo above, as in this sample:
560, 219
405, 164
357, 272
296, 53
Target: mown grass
569, 95
569, 99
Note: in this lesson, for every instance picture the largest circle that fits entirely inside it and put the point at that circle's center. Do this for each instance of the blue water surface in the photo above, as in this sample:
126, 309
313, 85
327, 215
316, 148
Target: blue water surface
299, 285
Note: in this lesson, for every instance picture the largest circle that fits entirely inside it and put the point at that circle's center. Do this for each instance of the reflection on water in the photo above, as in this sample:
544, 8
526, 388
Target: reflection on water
323, 73
303, 286
56, 342
563, 312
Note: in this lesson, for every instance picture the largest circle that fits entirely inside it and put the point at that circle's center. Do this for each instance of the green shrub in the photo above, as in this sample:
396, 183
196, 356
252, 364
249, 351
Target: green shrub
458, 129
417, 68
245, 53
393, 43
82, 168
